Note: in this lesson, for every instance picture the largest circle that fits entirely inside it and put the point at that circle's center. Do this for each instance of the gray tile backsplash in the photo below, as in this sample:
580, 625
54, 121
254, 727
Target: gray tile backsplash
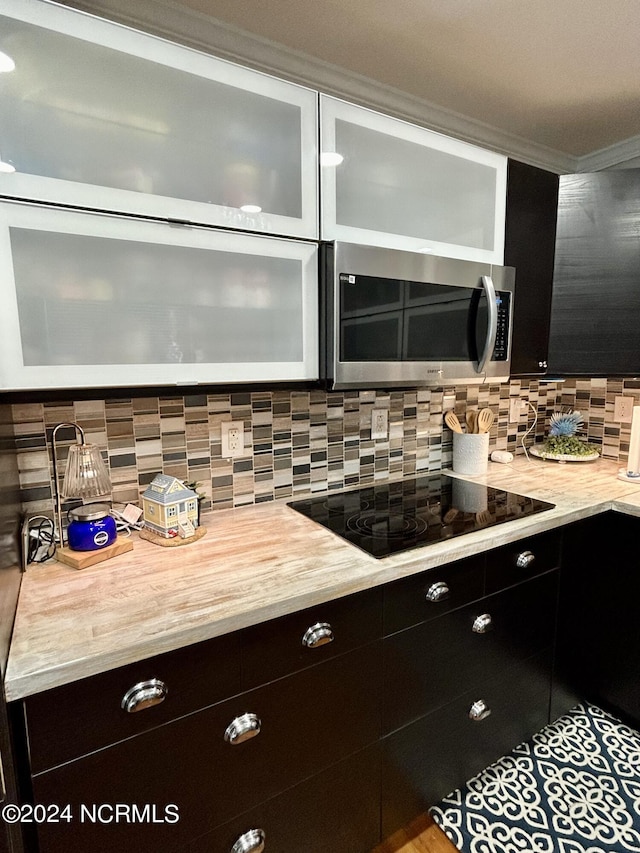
297, 442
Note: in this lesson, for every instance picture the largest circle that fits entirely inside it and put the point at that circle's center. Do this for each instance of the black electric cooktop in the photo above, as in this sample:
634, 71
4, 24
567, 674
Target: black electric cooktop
386, 519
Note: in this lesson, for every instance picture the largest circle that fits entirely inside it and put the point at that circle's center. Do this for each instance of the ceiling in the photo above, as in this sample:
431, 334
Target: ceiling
563, 75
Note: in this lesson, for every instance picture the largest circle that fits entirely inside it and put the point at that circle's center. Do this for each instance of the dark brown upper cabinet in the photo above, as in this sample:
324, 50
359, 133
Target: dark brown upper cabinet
530, 236
596, 288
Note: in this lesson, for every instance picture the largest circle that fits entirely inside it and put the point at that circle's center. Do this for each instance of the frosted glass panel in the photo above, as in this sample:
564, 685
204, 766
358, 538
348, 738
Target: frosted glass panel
85, 300
396, 186
144, 118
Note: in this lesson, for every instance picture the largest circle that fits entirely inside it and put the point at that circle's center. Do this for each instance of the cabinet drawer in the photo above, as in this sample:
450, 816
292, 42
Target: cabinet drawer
522, 560
430, 758
69, 721
308, 722
338, 810
429, 594
282, 646
428, 665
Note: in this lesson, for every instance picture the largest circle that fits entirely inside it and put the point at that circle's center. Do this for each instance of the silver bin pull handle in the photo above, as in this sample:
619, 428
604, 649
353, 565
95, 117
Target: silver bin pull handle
243, 728
492, 322
438, 591
252, 841
143, 695
479, 711
482, 624
318, 635
524, 560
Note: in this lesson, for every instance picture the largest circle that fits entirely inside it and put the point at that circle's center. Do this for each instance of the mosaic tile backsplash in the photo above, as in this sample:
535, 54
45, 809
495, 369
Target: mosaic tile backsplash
297, 442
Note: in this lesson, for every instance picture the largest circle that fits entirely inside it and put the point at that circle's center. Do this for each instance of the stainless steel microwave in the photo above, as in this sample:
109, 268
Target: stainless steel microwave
404, 319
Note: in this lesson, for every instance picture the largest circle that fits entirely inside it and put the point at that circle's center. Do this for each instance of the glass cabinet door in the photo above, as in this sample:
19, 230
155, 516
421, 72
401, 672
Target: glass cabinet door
102, 116
389, 183
93, 300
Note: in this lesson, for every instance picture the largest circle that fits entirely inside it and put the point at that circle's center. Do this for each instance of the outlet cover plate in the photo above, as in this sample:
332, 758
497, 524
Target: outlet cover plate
623, 409
379, 423
232, 439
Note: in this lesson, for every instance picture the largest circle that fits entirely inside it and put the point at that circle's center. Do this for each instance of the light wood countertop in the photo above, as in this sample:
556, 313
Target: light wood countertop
254, 564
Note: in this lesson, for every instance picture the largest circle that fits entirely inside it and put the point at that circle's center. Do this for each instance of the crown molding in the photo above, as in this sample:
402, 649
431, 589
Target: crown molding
169, 20
614, 155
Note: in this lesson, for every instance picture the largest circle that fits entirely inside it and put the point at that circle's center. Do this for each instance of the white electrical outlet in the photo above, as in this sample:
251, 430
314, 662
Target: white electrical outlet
623, 409
516, 407
232, 439
379, 423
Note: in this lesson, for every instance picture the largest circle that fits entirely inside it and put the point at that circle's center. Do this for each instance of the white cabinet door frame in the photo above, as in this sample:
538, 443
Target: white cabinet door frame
229, 303
333, 110
129, 43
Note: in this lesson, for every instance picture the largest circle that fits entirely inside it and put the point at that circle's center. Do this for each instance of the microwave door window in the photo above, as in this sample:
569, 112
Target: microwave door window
442, 325
372, 337
371, 320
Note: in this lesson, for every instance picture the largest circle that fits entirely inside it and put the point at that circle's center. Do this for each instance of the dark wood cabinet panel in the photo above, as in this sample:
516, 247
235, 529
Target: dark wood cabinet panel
598, 650
428, 665
309, 721
276, 648
75, 719
520, 561
433, 756
596, 298
406, 602
530, 235
337, 811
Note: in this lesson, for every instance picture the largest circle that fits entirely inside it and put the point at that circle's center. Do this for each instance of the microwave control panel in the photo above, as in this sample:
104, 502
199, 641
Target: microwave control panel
501, 348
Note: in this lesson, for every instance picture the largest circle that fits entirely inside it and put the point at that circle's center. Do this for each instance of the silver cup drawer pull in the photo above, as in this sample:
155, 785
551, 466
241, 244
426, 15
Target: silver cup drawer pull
525, 559
479, 711
438, 591
144, 695
243, 728
252, 841
482, 624
318, 635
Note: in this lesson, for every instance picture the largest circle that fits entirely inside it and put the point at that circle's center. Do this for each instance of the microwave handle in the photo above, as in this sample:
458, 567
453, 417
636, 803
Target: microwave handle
492, 322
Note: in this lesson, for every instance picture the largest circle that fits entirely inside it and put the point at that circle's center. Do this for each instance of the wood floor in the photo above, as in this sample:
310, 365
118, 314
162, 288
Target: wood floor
421, 836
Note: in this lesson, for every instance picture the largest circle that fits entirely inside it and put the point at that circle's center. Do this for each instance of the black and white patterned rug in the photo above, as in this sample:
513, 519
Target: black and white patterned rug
573, 788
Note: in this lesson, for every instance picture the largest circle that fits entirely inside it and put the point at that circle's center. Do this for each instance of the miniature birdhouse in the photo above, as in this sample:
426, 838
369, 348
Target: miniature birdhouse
170, 508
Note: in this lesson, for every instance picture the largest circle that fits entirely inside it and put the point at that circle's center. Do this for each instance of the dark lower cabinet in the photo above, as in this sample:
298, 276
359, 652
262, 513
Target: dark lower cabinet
338, 811
306, 743
598, 649
438, 753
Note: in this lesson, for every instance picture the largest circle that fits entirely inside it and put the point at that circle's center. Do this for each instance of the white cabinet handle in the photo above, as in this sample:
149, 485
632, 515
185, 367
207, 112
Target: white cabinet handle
437, 591
318, 635
482, 624
144, 695
243, 728
252, 841
479, 711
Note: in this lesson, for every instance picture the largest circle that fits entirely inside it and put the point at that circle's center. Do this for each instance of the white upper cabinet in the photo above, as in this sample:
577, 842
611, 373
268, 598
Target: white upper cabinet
96, 300
102, 116
401, 186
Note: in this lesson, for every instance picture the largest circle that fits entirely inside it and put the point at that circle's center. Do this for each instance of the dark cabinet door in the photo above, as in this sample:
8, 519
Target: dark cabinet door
530, 234
337, 810
596, 298
598, 654
308, 721
433, 756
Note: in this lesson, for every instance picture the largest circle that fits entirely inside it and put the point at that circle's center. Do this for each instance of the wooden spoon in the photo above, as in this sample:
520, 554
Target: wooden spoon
452, 421
471, 419
485, 420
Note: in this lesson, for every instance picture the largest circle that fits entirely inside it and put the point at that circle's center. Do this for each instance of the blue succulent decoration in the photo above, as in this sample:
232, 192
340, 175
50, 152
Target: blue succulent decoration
565, 424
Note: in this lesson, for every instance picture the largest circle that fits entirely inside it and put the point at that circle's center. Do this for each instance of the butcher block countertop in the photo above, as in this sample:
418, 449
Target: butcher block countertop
255, 563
